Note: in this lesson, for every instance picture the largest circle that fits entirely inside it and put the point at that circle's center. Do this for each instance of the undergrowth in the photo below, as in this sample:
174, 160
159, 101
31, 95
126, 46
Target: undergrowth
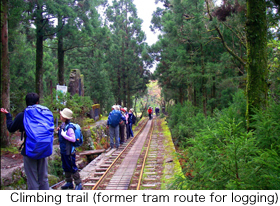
219, 153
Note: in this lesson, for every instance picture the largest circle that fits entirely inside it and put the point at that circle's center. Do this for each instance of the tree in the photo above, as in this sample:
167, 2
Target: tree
76, 24
91, 60
127, 69
256, 32
43, 19
5, 77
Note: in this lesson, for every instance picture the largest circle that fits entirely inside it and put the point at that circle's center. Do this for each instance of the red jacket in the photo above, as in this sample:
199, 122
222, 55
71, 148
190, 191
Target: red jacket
150, 111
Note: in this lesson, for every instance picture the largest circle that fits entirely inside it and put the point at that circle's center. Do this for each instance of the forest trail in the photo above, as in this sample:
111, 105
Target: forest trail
161, 162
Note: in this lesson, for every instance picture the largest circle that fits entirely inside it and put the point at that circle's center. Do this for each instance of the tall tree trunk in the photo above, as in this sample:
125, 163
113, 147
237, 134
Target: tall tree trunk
203, 87
5, 71
256, 31
213, 95
60, 55
39, 55
181, 95
194, 97
190, 93
119, 101
129, 102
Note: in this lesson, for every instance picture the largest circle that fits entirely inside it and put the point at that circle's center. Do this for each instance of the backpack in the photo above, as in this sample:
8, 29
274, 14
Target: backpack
39, 128
78, 134
133, 119
114, 118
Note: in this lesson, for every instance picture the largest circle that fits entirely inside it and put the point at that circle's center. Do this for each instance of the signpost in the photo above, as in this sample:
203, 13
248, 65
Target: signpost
63, 90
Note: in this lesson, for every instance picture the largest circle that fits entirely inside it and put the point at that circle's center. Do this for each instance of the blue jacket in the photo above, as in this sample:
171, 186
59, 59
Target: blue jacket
119, 117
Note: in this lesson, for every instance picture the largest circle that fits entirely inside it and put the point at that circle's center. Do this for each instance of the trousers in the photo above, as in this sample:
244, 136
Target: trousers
37, 173
114, 136
70, 168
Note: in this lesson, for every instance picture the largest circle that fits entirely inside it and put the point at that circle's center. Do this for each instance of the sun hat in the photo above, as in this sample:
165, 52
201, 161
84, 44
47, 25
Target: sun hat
125, 109
132, 110
66, 113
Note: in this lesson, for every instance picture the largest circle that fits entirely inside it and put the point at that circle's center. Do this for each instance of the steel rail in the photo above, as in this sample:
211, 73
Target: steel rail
145, 158
117, 158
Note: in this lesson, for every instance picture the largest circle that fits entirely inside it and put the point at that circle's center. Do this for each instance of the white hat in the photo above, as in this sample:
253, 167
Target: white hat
66, 113
125, 109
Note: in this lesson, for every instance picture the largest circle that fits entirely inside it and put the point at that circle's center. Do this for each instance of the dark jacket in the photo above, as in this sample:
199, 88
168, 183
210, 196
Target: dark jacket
65, 145
16, 124
131, 118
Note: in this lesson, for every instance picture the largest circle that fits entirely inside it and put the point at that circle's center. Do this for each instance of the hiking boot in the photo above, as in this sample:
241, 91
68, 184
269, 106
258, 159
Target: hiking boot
79, 187
68, 185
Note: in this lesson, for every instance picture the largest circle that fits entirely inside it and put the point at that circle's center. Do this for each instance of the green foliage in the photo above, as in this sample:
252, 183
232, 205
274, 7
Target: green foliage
273, 68
221, 154
9, 149
267, 139
127, 68
55, 167
181, 121
267, 127
185, 120
78, 104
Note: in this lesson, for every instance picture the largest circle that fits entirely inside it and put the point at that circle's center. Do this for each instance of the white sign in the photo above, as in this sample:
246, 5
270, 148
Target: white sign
62, 89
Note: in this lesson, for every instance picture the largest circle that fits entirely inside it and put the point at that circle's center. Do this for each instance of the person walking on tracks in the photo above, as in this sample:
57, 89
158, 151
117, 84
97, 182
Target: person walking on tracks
150, 111
114, 118
131, 121
126, 122
67, 139
123, 126
157, 111
36, 124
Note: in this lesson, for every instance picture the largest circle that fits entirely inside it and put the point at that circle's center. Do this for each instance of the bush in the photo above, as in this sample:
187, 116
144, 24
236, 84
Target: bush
221, 154
78, 104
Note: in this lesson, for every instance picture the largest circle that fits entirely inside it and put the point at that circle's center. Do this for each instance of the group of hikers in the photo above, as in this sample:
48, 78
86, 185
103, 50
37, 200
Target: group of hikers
150, 112
120, 124
36, 124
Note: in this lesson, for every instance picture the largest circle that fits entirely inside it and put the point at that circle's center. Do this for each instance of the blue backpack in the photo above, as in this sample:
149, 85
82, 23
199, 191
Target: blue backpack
78, 134
39, 128
114, 118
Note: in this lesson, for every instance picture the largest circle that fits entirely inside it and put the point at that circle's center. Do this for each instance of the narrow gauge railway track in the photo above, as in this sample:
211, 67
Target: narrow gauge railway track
113, 154
126, 170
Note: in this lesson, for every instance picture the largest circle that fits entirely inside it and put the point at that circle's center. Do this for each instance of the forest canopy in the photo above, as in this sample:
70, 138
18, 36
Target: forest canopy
217, 67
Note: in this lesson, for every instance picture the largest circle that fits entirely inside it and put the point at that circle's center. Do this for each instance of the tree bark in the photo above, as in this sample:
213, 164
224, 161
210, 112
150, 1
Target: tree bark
203, 84
256, 31
39, 54
60, 57
5, 71
190, 93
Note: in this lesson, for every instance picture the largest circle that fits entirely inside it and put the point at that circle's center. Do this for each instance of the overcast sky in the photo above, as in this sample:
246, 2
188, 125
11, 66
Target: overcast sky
145, 9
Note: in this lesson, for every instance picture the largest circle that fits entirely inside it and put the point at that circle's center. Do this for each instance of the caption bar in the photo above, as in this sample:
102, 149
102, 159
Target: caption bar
121, 197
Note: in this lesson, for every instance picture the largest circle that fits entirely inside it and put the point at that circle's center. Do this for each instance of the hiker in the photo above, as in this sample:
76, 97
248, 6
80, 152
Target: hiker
67, 151
150, 111
131, 121
157, 111
114, 119
122, 126
36, 170
126, 122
